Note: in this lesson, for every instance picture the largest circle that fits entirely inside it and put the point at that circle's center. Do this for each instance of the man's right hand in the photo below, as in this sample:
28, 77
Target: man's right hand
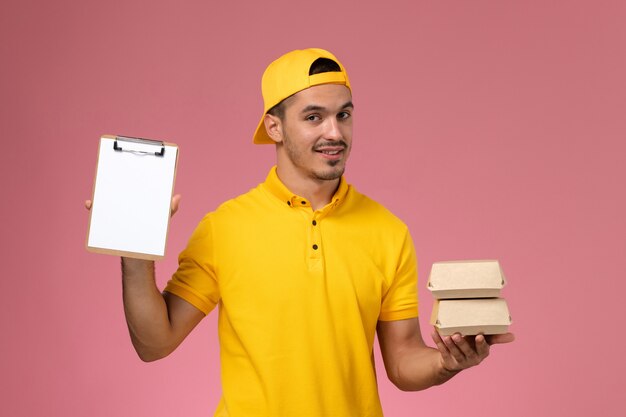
157, 322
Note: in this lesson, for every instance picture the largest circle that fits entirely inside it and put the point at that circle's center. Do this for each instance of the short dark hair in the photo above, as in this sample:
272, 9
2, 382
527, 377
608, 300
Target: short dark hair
320, 65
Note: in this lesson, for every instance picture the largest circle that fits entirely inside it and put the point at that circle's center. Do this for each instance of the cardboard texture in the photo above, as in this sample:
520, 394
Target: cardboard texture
466, 279
471, 316
466, 298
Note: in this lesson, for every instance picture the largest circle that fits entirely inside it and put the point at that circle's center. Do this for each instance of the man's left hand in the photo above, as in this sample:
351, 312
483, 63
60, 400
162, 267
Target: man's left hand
458, 352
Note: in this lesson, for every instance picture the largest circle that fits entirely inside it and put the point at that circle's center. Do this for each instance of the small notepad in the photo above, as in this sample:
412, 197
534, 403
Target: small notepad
133, 189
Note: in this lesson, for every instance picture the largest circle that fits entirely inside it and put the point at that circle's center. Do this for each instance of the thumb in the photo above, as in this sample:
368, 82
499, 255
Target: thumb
500, 338
175, 204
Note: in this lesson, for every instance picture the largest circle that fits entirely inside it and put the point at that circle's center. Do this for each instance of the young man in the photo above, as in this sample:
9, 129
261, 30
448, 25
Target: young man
304, 270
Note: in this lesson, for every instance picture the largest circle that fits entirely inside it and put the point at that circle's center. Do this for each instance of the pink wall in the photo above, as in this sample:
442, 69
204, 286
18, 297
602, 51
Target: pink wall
494, 129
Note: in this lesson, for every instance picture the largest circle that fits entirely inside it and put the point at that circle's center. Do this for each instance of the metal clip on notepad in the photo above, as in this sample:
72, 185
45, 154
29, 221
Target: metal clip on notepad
138, 145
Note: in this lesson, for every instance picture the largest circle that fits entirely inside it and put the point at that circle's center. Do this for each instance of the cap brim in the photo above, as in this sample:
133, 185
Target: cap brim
260, 136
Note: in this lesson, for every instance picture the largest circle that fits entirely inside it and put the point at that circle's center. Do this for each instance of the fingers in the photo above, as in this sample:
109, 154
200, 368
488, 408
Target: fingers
458, 352
88, 204
482, 347
500, 338
458, 347
470, 351
441, 346
175, 204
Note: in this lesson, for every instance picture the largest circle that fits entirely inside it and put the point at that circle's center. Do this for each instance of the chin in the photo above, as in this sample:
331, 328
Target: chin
330, 174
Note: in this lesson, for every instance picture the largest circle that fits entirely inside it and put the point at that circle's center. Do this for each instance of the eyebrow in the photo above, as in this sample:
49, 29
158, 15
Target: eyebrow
315, 107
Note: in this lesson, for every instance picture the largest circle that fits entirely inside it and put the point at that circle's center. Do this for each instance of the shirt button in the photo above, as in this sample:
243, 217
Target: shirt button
314, 223
314, 247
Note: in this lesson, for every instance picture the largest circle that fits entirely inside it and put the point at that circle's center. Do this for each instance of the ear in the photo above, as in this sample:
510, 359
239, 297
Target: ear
273, 127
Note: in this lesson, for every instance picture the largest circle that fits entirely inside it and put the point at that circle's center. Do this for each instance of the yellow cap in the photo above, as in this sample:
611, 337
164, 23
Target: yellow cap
290, 74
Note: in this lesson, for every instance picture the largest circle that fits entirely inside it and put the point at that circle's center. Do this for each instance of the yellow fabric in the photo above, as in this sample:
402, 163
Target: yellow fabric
297, 324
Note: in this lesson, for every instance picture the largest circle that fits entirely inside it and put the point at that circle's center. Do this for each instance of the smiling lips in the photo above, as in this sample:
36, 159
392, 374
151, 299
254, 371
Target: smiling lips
330, 152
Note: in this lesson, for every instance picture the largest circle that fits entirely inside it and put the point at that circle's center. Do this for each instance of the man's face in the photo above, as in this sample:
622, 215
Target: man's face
317, 131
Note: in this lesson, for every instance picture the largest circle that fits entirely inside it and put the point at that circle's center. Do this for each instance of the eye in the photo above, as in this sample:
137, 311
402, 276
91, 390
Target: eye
343, 115
312, 117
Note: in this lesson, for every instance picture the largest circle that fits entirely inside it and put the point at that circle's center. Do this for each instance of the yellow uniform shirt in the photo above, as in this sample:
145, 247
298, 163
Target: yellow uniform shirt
300, 293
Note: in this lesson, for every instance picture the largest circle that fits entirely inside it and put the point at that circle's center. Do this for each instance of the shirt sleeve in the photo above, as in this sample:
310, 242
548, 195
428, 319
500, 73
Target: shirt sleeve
195, 280
400, 300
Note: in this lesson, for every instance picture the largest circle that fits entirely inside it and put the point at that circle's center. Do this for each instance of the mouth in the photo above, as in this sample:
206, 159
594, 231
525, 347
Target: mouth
331, 151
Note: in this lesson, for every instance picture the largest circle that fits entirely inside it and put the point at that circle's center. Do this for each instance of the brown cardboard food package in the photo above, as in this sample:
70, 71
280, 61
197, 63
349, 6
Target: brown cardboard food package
466, 279
471, 316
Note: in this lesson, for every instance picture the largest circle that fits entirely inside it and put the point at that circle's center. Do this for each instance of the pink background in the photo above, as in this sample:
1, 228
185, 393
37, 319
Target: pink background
495, 129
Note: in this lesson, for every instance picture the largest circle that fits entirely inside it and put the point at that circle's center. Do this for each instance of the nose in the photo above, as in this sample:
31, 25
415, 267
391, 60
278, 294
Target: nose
331, 129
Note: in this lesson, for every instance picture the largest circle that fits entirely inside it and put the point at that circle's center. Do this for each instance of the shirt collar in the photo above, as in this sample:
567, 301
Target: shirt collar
275, 186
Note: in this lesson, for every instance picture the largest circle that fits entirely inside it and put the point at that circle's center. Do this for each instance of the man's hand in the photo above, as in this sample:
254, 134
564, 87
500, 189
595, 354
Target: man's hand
157, 322
458, 352
173, 205
413, 366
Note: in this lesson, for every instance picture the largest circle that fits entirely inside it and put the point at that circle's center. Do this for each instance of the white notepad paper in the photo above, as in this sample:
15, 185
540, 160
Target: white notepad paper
133, 189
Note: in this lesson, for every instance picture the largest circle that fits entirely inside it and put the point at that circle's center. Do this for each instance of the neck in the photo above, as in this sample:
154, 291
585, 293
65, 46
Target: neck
317, 192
